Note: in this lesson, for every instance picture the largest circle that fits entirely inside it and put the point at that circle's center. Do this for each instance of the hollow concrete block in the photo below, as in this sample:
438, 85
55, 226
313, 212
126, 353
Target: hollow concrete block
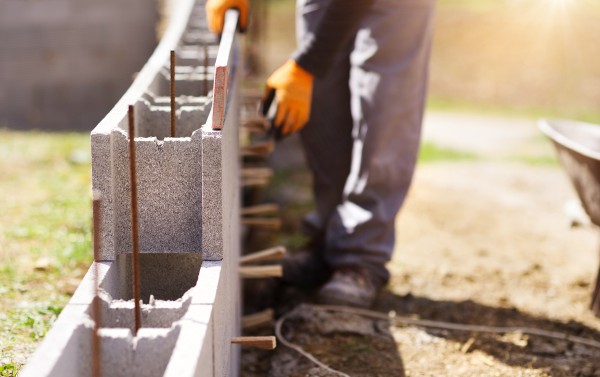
169, 174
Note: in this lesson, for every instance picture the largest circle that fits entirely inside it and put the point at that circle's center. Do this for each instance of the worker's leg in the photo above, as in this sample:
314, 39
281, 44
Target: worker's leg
327, 137
388, 79
327, 141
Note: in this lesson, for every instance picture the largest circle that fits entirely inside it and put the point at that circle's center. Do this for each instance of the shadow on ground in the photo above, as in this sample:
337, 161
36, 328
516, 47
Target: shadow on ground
555, 357
361, 346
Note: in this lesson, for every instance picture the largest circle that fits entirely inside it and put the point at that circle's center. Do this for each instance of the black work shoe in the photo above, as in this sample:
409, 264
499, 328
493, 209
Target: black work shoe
305, 270
351, 286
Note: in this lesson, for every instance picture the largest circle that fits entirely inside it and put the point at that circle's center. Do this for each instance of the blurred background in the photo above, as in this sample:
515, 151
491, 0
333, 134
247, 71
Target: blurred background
520, 57
64, 63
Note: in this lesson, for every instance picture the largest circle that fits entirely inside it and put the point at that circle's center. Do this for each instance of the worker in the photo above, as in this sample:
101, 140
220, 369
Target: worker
355, 89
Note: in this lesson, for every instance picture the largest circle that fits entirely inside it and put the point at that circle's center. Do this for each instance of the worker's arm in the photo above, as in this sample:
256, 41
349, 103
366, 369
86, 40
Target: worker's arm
338, 26
215, 13
293, 82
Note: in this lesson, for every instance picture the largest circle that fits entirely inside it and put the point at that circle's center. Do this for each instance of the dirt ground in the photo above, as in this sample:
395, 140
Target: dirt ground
478, 242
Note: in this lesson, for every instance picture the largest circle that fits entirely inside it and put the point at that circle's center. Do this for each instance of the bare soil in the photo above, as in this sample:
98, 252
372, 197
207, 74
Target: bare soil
478, 242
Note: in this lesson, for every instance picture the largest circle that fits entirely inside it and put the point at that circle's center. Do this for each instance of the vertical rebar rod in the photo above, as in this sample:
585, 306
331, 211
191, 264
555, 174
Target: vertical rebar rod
96, 313
173, 110
135, 264
205, 78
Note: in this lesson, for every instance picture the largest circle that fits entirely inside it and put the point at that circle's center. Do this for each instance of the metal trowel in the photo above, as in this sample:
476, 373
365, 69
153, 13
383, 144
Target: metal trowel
269, 111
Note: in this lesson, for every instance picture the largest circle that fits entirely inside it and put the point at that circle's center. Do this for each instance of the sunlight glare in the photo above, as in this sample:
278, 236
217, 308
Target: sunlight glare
561, 3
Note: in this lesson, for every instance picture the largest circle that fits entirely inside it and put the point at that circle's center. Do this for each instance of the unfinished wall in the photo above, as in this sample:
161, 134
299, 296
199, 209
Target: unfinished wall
188, 194
169, 168
64, 63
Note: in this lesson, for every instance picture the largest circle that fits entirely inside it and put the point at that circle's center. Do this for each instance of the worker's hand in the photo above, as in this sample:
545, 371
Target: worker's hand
293, 92
215, 13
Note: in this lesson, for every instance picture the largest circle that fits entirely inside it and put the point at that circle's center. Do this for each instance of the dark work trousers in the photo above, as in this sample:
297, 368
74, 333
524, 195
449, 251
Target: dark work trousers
362, 139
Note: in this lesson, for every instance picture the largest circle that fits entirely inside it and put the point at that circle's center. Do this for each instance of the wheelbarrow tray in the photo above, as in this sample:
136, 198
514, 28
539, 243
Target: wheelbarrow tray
578, 147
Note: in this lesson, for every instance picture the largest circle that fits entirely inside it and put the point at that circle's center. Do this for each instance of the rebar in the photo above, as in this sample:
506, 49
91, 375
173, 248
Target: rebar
173, 105
205, 78
260, 209
96, 312
276, 253
134, 221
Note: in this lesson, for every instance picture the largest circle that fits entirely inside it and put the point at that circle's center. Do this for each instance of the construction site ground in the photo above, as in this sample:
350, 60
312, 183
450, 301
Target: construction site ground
482, 239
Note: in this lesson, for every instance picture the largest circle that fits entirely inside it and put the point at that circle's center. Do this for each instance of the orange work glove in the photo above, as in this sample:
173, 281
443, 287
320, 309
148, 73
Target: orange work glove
293, 92
215, 13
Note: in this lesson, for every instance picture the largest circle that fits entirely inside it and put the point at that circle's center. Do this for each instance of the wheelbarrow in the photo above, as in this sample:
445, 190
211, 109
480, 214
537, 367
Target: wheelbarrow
578, 147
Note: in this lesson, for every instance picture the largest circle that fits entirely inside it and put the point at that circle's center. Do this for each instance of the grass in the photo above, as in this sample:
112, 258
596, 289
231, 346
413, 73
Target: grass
430, 153
437, 103
45, 238
9, 369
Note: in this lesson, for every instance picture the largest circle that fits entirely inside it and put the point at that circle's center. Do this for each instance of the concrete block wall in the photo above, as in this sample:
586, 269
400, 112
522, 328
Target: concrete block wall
169, 194
64, 63
169, 169
189, 228
188, 336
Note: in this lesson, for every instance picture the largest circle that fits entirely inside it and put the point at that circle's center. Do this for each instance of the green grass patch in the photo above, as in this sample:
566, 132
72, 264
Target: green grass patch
538, 160
436, 103
45, 234
46, 195
9, 368
431, 152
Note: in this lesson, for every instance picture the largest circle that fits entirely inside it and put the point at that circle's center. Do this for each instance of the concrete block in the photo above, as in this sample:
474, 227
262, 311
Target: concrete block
153, 350
66, 350
194, 56
196, 82
182, 101
169, 193
116, 351
123, 355
154, 120
101, 183
199, 37
205, 291
193, 353
227, 309
230, 307
157, 314
169, 196
165, 276
212, 198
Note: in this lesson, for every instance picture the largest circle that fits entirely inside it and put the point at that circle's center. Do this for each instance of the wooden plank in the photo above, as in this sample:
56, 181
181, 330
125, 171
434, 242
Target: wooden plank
258, 272
273, 254
267, 223
262, 342
264, 317
260, 209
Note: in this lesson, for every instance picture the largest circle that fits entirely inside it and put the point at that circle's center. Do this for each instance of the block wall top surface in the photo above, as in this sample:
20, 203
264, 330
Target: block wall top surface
151, 69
